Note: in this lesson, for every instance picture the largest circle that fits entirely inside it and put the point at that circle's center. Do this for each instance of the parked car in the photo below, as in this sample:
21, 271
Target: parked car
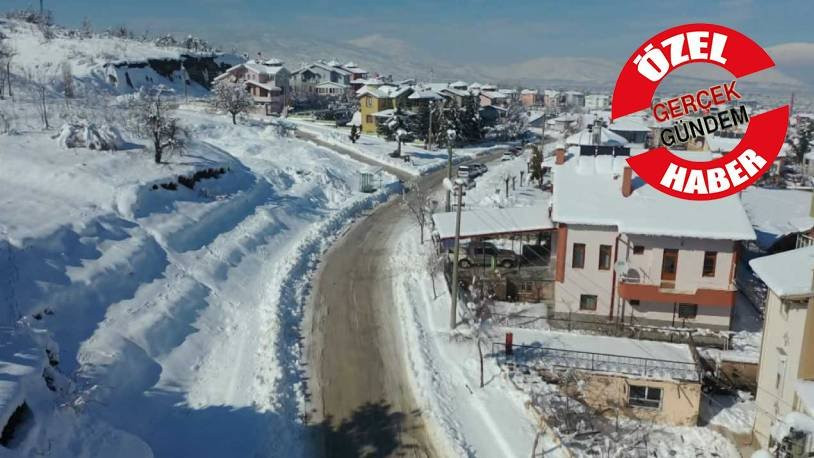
507, 156
483, 253
481, 168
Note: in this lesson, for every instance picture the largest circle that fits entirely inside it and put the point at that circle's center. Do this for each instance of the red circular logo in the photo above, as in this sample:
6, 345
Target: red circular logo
756, 150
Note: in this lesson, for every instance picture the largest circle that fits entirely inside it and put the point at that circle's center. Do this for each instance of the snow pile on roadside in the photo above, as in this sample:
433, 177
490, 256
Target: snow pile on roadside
463, 419
175, 312
88, 135
378, 150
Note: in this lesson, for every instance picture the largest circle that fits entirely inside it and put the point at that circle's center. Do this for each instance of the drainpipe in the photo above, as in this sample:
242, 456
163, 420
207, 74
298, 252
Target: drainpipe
613, 281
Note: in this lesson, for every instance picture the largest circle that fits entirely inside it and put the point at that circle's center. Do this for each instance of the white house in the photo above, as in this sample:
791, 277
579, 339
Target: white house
627, 252
785, 393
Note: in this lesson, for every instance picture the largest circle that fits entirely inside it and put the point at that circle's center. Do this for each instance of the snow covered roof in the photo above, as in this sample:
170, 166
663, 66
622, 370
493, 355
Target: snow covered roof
777, 212
261, 68
588, 190
721, 144
331, 84
266, 86
273, 62
384, 91
488, 87
805, 391
459, 84
457, 92
606, 137
775, 270
390, 111
493, 221
507, 91
567, 117
622, 348
493, 94
630, 124
425, 94
529, 91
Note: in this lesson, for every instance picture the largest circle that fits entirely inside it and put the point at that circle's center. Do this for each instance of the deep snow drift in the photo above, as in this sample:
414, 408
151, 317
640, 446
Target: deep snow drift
174, 313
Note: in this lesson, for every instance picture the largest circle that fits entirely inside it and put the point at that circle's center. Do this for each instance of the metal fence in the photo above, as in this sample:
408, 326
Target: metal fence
598, 362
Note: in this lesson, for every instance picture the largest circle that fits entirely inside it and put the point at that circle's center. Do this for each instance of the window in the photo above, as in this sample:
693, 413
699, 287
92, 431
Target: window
638, 249
369, 101
709, 263
369, 119
526, 287
604, 257
644, 396
634, 302
587, 302
578, 259
688, 311
781, 370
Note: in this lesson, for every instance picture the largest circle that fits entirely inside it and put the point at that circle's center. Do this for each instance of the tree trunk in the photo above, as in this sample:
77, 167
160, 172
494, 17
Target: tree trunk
480, 353
421, 229
8, 77
157, 155
234, 118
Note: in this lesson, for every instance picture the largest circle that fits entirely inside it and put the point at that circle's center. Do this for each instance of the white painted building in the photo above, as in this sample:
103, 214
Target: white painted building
627, 252
597, 102
785, 393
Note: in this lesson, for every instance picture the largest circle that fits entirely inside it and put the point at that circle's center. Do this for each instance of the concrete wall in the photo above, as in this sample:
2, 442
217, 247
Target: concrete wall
589, 279
784, 329
666, 314
680, 401
690, 261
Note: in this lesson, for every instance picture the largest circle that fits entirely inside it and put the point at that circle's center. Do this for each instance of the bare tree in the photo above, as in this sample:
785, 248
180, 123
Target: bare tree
232, 98
7, 52
150, 118
86, 29
419, 202
67, 80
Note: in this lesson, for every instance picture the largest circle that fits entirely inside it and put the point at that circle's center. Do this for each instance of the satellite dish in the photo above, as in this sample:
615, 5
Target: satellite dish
621, 266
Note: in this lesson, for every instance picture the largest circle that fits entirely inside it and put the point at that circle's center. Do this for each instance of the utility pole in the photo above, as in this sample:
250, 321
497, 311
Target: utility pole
450, 136
429, 129
453, 313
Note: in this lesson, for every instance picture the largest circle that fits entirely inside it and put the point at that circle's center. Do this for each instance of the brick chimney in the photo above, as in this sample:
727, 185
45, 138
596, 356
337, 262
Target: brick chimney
627, 182
559, 156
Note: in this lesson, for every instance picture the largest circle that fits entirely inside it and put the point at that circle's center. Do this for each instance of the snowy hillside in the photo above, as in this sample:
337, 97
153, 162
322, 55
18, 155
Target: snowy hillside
106, 63
173, 314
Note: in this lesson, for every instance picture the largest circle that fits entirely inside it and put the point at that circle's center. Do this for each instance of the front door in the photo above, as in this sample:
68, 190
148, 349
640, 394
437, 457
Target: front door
669, 266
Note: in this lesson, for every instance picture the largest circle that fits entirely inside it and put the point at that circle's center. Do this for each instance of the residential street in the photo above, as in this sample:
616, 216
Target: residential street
362, 396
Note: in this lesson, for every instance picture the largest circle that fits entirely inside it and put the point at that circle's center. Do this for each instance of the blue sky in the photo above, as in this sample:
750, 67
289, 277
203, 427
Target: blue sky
459, 31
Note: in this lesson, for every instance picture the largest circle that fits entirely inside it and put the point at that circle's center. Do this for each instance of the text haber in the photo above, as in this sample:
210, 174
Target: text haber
714, 179
686, 47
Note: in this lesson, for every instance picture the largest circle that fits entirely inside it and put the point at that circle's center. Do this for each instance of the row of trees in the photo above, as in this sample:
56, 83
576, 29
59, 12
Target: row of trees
432, 121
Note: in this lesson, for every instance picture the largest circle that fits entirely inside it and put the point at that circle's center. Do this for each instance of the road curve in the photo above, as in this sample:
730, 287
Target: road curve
361, 403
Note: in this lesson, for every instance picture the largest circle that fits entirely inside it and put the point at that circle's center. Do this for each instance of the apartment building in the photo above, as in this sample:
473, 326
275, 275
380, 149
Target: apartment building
627, 252
785, 393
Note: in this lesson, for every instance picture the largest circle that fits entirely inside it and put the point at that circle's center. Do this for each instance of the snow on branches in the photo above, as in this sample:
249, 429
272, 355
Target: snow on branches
231, 98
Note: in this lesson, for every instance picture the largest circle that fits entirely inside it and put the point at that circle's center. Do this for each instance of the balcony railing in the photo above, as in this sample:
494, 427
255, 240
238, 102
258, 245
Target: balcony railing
804, 240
